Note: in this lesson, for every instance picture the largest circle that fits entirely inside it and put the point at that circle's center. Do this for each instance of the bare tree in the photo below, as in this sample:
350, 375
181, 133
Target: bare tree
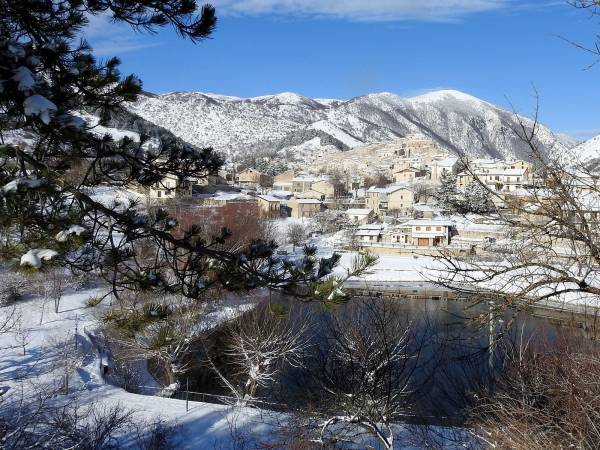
258, 346
365, 374
593, 7
22, 335
544, 399
551, 252
296, 234
38, 419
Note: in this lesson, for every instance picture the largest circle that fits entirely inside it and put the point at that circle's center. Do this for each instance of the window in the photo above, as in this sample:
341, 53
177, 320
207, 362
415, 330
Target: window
427, 228
418, 228
439, 228
158, 194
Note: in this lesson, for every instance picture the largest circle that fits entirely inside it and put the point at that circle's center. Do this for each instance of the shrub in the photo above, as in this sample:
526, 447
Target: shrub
93, 301
156, 311
12, 287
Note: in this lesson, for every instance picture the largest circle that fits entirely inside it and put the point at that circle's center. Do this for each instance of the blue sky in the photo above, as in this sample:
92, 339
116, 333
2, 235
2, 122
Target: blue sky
494, 49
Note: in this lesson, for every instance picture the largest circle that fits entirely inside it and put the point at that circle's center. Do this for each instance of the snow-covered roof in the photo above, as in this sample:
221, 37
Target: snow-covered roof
447, 162
308, 201
388, 189
359, 211
281, 194
226, 196
368, 232
409, 169
371, 226
429, 223
269, 198
310, 178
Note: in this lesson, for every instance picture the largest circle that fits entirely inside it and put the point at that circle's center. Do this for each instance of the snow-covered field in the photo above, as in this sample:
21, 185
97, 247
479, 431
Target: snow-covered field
49, 343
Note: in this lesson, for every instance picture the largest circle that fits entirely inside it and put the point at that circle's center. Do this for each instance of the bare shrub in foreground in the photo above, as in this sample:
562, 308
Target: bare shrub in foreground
548, 397
258, 346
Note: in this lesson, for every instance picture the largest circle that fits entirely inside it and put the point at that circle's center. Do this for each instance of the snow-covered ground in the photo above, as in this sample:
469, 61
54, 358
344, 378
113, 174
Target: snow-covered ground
203, 426
49, 343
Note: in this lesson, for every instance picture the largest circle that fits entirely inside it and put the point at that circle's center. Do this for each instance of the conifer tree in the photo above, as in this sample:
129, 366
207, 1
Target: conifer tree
478, 199
446, 195
51, 164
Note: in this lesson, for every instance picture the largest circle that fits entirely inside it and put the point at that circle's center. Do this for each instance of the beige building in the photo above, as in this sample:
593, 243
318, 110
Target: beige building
520, 164
169, 188
311, 193
394, 198
409, 174
304, 208
369, 233
254, 177
269, 206
286, 176
283, 181
329, 188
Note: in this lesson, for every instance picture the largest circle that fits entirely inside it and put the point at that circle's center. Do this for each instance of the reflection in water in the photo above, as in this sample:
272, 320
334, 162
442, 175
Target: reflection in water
446, 355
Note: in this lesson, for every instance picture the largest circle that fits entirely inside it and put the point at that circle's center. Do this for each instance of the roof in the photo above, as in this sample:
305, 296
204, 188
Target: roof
368, 232
409, 169
269, 198
372, 226
359, 211
310, 178
447, 162
429, 223
309, 201
509, 172
281, 194
388, 189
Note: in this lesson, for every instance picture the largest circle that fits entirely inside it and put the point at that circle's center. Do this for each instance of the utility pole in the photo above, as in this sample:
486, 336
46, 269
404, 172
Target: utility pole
491, 344
187, 395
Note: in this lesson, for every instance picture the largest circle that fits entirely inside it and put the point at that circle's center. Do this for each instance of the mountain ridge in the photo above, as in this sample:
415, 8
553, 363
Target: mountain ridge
273, 125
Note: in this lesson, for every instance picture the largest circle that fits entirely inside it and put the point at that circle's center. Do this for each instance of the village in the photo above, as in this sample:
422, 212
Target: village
386, 196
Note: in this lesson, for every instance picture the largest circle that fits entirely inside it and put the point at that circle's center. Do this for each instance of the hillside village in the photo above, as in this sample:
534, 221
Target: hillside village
385, 193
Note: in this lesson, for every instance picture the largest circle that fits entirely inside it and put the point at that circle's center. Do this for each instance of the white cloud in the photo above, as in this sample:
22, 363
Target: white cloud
363, 10
112, 39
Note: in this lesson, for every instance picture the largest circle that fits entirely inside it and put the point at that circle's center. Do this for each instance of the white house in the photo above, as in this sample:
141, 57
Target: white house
370, 233
430, 232
360, 216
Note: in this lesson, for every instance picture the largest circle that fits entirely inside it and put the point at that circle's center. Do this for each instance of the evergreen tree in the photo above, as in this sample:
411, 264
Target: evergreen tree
478, 199
48, 206
446, 195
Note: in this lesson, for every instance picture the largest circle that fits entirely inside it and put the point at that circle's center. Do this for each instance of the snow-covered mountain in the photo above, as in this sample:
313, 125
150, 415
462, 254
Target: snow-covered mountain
295, 126
588, 150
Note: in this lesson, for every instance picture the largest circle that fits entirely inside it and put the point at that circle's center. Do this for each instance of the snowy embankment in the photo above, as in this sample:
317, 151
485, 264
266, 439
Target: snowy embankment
399, 272
423, 272
63, 340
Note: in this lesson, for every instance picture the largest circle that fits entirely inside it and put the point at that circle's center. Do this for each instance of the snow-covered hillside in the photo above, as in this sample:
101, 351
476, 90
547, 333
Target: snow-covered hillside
235, 126
588, 150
